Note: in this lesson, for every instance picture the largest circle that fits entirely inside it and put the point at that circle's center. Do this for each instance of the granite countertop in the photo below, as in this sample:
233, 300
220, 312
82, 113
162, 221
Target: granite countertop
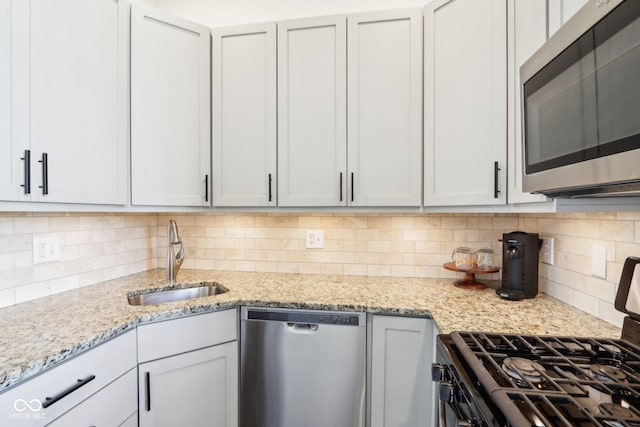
38, 334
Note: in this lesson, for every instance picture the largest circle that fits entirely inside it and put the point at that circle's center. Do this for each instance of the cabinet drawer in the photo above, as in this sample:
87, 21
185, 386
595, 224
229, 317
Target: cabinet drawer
176, 336
111, 406
23, 404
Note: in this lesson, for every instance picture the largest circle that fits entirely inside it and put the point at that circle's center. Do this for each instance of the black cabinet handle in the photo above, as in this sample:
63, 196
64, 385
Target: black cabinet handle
340, 186
45, 173
352, 188
206, 188
496, 190
270, 195
48, 401
147, 390
27, 171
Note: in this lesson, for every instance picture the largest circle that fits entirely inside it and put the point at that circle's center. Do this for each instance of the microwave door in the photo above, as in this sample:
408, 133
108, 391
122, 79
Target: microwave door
560, 110
617, 56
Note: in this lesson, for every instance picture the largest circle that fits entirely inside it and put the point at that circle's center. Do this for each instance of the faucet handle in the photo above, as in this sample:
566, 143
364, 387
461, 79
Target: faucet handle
174, 237
179, 257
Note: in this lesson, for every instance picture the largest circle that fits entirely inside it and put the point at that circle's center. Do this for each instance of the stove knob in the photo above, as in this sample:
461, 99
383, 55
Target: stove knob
438, 372
446, 392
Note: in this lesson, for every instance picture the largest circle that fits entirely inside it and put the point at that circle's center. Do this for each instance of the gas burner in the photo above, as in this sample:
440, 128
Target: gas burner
614, 410
521, 369
607, 373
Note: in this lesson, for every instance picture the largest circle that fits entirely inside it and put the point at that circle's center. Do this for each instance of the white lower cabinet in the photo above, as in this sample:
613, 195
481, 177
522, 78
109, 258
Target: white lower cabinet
401, 353
188, 371
114, 405
97, 387
198, 388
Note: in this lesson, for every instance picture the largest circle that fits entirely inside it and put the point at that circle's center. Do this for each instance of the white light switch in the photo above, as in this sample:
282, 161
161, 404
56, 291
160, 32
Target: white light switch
315, 239
599, 262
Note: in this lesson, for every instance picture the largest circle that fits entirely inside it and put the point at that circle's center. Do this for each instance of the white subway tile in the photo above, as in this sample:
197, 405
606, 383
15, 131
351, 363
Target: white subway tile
32, 291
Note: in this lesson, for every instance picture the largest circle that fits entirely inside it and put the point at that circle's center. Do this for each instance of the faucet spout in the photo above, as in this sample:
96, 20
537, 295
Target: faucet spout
174, 261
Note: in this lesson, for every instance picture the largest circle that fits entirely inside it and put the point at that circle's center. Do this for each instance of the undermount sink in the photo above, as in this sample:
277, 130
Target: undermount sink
180, 292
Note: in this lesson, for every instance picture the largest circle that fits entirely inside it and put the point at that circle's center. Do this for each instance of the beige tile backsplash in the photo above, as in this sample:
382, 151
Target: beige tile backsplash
93, 248
98, 247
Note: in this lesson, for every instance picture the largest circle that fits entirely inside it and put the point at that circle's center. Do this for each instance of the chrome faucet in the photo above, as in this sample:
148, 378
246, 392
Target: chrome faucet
174, 261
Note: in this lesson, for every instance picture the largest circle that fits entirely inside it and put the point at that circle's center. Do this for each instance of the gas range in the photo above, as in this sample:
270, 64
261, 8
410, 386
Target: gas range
544, 381
492, 379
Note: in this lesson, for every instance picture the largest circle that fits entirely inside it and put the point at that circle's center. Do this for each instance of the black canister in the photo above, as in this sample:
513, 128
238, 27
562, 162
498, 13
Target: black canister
519, 265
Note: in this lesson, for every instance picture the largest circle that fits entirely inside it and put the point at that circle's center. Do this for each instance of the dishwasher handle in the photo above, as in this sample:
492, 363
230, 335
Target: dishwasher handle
302, 327
306, 317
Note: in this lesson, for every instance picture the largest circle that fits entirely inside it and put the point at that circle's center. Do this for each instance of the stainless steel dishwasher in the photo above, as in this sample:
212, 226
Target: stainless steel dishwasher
302, 368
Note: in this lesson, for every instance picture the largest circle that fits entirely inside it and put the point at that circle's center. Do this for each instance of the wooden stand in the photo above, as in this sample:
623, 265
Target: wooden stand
469, 281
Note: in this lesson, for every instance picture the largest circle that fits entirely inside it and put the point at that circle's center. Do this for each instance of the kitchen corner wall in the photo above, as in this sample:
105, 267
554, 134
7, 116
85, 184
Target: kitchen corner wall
569, 279
93, 248
98, 247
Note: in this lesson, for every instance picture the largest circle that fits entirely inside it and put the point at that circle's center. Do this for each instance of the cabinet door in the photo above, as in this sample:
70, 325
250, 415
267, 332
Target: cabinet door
385, 108
312, 128
465, 104
527, 31
197, 388
111, 406
12, 167
560, 11
75, 104
170, 110
244, 116
401, 357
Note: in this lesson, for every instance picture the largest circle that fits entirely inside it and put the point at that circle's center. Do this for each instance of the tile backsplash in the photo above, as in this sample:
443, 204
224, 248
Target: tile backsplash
98, 247
93, 248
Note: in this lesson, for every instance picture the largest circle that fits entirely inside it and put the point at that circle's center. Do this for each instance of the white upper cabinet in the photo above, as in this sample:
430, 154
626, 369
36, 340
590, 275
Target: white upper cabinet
312, 128
527, 31
385, 108
69, 102
11, 168
465, 102
244, 115
170, 110
560, 11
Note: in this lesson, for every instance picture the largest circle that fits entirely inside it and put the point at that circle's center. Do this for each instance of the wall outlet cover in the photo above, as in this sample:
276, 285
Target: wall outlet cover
46, 249
546, 252
315, 239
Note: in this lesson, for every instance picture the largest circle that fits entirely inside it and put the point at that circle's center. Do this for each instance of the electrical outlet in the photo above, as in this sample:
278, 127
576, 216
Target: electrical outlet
45, 249
546, 252
599, 262
315, 239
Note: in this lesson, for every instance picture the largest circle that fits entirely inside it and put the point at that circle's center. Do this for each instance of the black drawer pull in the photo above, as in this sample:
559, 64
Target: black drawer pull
353, 190
270, 195
206, 188
340, 186
27, 171
45, 173
496, 190
147, 390
48, 401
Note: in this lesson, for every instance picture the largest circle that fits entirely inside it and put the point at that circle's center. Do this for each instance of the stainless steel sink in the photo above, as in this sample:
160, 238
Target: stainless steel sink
179, 292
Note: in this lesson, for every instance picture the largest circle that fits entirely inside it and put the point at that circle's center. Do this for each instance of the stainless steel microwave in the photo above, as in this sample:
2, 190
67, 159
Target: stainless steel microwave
581, 105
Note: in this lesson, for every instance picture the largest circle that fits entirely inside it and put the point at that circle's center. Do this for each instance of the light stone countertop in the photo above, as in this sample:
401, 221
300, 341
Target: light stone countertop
41, 333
